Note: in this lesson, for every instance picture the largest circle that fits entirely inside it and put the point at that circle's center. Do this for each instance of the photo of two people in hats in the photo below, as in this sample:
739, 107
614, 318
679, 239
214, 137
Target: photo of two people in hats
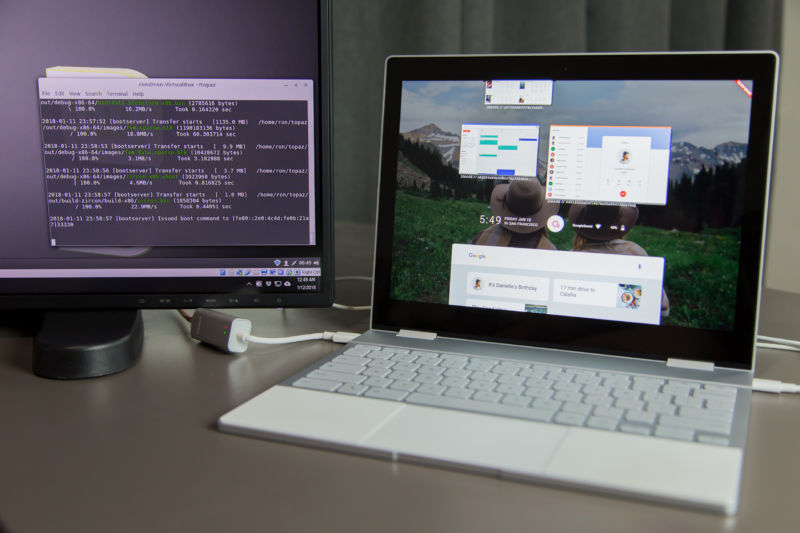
524, 215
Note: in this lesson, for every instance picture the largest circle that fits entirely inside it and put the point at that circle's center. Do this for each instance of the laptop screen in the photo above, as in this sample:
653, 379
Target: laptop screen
580, 199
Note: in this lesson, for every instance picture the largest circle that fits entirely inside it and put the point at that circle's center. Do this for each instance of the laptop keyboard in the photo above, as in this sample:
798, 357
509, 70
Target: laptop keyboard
669, 408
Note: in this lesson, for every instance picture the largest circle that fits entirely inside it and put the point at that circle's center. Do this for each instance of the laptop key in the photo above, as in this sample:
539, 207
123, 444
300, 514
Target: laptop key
661, 408
358, 350
379, 354
506, 370
395, 350
339, 377
454, 363
378, 382
375, 371
399, 374
481, 385
674, 433
316, 384
427, 378
624, 403
626, 394
532, 373
568, 396
382, 363
458, 392
635, 428
551, 405
641, 417
510, 389
577, 408
486, 396
721, 405
706, 425
712, 439
385, 394
409, 367
598, 399
539, 392
404, 385
480, 366
350, 388
430, 369
338, 367
693, 412
430, 388
570, 419
718, 390
566, 386
508, 379
657, 397
457, 373
455, 382
588, 379
688, 401
608, 412
350, 360
599, 422
596, 389
518, 401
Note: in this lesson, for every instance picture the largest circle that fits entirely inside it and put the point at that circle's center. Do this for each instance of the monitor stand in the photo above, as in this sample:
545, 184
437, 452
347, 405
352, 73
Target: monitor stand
87, 344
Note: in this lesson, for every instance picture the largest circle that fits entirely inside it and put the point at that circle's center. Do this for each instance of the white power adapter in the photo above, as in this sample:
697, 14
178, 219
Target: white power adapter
221, 330
232, 335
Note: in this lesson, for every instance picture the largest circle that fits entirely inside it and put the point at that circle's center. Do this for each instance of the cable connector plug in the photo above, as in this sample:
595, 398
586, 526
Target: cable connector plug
777, 387
341, 337
223, 331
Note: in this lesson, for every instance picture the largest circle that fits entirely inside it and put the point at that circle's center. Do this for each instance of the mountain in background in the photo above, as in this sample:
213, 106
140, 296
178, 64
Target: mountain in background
445, 142
685, 158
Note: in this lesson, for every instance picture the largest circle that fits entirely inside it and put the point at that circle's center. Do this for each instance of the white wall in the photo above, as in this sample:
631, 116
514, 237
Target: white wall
783, 237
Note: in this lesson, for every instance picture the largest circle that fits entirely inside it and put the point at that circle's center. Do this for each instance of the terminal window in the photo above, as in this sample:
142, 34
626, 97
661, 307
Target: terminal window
178, 162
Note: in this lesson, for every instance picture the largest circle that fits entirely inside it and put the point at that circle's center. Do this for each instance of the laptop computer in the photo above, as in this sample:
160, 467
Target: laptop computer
567, 274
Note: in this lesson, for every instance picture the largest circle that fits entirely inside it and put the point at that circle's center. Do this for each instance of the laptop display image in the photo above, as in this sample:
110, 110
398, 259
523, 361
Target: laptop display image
567, 270
606, 167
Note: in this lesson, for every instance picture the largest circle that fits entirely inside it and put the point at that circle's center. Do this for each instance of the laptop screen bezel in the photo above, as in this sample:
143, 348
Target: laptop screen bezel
732, 349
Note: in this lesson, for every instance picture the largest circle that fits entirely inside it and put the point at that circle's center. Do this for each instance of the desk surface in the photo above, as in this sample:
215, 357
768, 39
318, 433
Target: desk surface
138, 451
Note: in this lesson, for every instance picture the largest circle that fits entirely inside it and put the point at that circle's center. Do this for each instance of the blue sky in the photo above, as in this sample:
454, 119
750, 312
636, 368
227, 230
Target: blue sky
703, 112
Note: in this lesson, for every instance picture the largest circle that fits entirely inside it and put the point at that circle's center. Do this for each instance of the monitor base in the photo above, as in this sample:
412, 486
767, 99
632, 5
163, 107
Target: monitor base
87, 344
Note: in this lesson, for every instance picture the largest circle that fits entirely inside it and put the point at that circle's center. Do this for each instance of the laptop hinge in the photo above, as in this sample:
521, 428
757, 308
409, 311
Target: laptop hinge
411, 334
691, 365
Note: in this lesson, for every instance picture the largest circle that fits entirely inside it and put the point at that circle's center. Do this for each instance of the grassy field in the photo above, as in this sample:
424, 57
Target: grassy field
700, 277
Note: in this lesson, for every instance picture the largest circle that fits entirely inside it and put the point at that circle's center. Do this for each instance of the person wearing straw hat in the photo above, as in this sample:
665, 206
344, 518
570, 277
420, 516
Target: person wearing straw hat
523, 212
602, 229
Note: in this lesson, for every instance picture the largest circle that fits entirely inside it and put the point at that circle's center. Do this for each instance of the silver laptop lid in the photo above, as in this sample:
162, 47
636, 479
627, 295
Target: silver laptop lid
604, 203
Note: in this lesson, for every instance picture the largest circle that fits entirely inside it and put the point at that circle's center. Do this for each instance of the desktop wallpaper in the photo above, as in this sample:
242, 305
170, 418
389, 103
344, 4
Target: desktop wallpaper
697, 232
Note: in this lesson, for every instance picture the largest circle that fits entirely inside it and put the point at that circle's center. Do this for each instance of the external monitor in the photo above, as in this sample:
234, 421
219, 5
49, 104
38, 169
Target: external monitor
160, 155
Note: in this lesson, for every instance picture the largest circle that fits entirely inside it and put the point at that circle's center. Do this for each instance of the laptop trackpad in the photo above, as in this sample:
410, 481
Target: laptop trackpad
455, 437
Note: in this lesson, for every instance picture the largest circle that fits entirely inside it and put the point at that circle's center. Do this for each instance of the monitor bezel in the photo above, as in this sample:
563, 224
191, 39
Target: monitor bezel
733, 349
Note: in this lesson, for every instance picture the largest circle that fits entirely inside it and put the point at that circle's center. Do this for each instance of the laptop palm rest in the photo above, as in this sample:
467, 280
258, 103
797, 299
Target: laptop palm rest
658, 469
